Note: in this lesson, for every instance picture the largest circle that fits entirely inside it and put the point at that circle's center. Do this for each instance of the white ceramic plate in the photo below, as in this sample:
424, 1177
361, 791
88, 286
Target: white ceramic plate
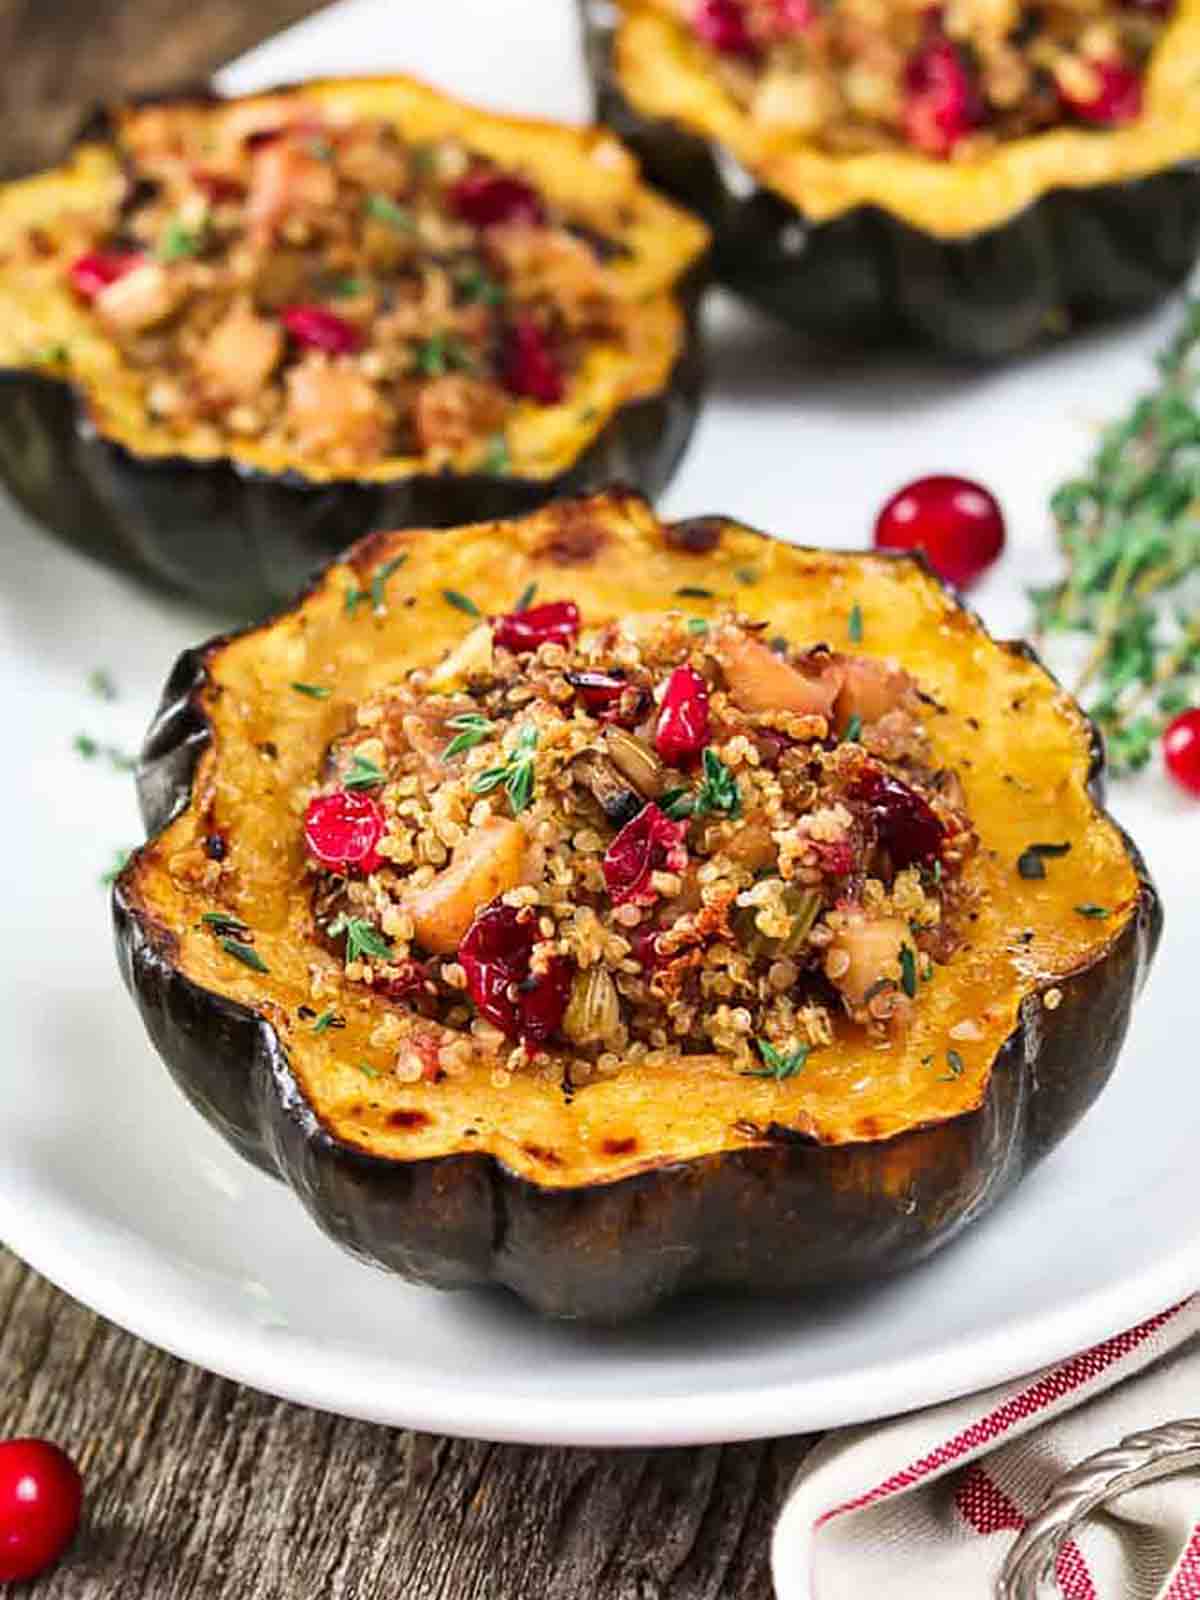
111, 1186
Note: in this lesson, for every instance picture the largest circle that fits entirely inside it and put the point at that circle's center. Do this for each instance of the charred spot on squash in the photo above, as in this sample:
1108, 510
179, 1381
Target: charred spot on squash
577, 543
409, 1118
698, 536
470, 1195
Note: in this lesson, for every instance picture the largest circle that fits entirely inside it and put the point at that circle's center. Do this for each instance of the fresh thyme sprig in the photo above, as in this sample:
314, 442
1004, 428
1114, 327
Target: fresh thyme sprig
1130, 530
777, 1064
516, 773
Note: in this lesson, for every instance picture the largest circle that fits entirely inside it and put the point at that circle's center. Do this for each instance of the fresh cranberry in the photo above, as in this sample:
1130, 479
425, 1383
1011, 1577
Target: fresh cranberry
557, 622
1181, 748
530, 366
650, 843
906, 825
721, 24
1118, 96
217, 186
93, 272
836, 857
788, 18
942, 105
488, 198
958, 524
682, 730
318, 328
495, 955
342, 831
612, 698
41, 1494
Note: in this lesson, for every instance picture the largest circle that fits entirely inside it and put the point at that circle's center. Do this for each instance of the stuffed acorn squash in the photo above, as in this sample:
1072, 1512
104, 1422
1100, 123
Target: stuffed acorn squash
234, 334
605, 908
974, 176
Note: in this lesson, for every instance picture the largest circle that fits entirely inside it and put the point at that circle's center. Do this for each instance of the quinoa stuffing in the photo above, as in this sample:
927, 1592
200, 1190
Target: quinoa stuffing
327, 288
634, 839
949, 81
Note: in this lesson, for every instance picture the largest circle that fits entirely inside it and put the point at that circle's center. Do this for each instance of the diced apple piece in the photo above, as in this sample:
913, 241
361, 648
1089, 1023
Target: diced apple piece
861, 949
760, 680
870, 689
490, 860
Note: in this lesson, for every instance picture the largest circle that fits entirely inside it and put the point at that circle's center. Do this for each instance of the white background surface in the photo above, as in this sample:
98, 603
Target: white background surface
114, 1188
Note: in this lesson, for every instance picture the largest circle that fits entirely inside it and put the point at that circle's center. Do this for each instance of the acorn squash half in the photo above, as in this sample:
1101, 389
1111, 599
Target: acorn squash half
980, 258
602, 1203
245, 527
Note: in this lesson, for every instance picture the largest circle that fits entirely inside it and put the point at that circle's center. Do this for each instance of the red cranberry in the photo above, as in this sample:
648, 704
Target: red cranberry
557, 622
1118, 96
612, 698
650, 843
906, 826
495, 955
318, 328
721, 24
942, 105
791, 17
1181, 748
342, 831
957, 523
682, 730
93, 272
530, 365
217, 186
487, 198
41, 1494
835, 857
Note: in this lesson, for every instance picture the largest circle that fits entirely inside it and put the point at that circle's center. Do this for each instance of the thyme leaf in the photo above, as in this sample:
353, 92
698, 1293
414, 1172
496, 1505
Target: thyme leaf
1031, 863
314, 691
245, 953
777, 1064
461, 602
363, 774
854, 625
471, 728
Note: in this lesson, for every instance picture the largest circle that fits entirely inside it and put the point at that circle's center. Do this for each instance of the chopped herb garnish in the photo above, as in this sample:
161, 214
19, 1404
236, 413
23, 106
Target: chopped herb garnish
908, 970
1096, 913
525, 598
746, 575
179, 241
677, 804
476, 287
362, 940
52, 355
693, 591
471, 728
363, 774
314, 691
697, 625
101, 684
383, 209
327, 1019
120, 857
461, 602
245, 953
379, 581
497, 458
224, 922
1031, 863
1129, 530
776, 1064
516, 774
718, 791
354, 598
853, 731
367, 1070
346, 288
955, 1063
442, 353
854, 625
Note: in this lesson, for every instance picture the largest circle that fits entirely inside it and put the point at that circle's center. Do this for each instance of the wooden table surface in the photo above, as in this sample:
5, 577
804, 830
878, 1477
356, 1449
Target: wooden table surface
199, 1489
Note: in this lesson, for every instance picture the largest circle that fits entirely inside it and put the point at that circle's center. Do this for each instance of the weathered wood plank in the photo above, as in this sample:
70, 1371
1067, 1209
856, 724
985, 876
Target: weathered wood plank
199, 1489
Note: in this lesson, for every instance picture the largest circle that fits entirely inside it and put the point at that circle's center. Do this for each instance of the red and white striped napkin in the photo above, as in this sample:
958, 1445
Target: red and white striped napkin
930, 1504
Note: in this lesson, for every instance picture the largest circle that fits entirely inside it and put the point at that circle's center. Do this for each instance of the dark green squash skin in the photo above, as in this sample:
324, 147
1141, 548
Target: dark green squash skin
1074, 257
243, 541
783, 1215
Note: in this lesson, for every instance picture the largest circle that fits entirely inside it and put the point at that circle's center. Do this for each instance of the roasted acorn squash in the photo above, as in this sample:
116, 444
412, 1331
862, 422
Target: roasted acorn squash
982, 258
603, 1203
244, 524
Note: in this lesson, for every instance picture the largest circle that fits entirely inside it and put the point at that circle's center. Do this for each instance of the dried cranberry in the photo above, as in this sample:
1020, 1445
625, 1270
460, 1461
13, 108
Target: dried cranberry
217, 186
906, 825
1181, 750
957, 523
557, 622
835, 857
530, 365
342, 831
495, 955
318, 328
41, 1494
611, 697
487, 198
942, 105
645, 949
682, 730
721, 24
650, 843
94, 272
1118, 95
788, 18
